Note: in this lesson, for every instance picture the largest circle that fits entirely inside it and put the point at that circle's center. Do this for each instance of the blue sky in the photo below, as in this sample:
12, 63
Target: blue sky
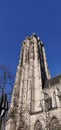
20, 18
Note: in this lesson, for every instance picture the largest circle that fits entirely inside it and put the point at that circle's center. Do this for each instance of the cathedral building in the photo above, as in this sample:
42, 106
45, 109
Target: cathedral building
36, 98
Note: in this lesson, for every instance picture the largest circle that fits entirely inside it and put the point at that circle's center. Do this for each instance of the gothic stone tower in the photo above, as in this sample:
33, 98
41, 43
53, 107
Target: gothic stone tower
28, 109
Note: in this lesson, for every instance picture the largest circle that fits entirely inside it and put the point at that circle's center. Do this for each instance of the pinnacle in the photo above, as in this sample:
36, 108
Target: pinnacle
37, 38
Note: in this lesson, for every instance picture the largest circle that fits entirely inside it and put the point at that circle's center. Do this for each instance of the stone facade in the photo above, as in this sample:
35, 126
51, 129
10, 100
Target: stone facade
36, 98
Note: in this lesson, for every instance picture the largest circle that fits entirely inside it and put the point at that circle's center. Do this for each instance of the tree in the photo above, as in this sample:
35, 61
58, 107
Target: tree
6, 81
6, 86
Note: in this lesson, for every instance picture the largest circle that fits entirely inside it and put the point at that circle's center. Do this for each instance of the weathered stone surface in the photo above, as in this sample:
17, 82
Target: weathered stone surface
36, 99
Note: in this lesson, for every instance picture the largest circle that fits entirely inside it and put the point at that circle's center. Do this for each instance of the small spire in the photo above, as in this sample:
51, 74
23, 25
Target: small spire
42, 43
38, 38
34, 34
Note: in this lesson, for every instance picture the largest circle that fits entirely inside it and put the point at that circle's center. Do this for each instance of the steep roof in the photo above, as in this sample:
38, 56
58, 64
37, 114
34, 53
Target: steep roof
53, 81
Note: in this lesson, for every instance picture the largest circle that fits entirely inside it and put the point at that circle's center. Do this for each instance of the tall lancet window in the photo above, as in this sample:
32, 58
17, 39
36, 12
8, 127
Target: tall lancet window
54, 98
38, 126
54, 125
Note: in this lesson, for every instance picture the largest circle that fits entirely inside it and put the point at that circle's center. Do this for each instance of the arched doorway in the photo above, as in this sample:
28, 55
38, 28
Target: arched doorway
54, 124
38, 125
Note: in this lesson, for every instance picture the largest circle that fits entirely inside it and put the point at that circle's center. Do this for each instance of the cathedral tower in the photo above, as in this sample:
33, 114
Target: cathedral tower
27, 98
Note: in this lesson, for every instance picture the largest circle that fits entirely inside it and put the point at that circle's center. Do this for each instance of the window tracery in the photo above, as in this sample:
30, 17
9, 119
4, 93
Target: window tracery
54, 124
38, 125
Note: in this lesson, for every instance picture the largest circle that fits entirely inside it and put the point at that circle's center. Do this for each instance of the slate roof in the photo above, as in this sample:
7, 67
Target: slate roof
53, 81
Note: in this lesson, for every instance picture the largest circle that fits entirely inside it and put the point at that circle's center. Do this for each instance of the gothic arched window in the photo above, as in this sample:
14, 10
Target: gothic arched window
38, 126
54, 124
54, 98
